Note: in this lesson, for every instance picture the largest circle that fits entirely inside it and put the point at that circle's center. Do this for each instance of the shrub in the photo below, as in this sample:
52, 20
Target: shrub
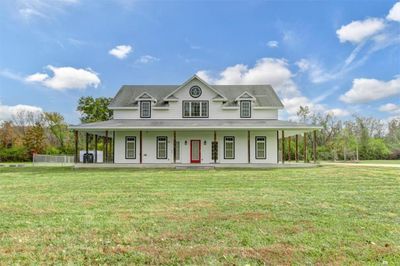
15, 154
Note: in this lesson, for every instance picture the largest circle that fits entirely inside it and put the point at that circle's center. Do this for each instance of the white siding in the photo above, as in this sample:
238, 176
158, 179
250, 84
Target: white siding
205, 137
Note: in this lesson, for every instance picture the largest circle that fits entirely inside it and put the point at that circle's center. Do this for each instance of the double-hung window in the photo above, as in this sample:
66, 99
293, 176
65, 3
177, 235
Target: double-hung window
145, 109
195, 109
162, 147
229, 147
245, 109
130, 147
261, 147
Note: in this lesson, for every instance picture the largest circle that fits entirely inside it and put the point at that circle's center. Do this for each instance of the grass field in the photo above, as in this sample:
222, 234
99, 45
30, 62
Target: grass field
325, 215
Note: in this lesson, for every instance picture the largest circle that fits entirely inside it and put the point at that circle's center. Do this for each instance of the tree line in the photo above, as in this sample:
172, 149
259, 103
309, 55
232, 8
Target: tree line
360, 138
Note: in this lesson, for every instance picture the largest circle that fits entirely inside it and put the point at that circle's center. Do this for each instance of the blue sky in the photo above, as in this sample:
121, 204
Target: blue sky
334, 56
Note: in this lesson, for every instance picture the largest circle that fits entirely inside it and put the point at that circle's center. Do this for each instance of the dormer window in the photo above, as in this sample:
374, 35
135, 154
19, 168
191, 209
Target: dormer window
245, 109
145, 109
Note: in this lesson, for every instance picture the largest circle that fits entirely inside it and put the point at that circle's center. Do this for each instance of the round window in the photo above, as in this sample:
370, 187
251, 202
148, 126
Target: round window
195, 91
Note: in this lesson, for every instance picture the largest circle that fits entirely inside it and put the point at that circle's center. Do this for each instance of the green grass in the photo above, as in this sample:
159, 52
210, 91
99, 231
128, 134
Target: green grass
380, 161
325, 215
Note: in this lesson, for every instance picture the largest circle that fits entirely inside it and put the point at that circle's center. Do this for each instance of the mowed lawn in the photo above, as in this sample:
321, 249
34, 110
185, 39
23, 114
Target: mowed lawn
325, 215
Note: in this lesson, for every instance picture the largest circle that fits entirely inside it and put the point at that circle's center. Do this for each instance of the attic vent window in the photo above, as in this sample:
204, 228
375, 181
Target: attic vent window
195, 91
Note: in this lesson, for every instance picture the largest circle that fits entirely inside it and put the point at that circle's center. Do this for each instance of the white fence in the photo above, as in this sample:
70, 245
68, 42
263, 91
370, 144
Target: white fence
56, 160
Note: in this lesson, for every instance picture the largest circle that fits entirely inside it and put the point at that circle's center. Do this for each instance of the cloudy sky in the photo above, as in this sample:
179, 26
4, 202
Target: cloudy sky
338, 56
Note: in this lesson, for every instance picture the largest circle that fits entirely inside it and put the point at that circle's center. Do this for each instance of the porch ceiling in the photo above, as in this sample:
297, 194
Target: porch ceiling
195, 124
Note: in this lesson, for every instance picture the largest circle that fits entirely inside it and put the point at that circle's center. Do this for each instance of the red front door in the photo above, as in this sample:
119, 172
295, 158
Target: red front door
195, 151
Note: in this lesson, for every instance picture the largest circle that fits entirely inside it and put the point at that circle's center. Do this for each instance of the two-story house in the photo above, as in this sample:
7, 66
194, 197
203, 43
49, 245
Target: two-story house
192, 123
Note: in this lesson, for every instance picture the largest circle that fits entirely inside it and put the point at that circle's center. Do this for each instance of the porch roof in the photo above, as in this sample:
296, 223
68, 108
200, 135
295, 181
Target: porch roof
190, 124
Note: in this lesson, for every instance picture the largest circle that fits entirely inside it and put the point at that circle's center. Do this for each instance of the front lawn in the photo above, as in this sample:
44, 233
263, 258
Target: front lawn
325, 215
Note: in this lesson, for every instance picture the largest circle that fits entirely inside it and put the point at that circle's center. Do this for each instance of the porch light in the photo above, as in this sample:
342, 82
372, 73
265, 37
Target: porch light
205, 142
185, 142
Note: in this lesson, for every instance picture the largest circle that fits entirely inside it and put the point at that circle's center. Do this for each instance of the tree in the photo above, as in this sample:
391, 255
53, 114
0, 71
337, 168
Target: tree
55, 122
34, 139
94, 109
7, 134
303, 113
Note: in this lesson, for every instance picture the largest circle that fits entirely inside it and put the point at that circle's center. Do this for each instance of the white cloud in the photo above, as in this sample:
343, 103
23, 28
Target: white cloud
366, 90
337, 112
8, 111
120, 51
29, 9
271, 71
65, 78
390, 107
360, 30
146, 59
272, 44
394, 13
303, 65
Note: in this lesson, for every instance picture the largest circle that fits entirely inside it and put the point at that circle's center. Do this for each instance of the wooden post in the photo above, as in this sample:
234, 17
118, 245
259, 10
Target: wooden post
215, 140
283, 146
110, 149
277, 146
315, 146
297, 149
95, 148
248, 146
141, 147
87, 147
305, 147
113, 145
76, 147
174, 146
106, 147
289, 151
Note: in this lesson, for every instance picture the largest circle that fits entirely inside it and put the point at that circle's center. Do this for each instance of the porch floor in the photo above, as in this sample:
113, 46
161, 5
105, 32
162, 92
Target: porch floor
195, 166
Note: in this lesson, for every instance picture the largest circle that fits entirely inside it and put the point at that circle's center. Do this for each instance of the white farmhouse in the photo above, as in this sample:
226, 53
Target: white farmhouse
193, 123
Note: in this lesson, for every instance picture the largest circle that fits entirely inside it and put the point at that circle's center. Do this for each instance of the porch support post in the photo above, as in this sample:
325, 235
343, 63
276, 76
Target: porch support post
113, 145
174, 146
87, 146
215, 140
297, 149
277, 146
141, 147
110, 149
289, 151
283, 146
76, 147
315, 146
95, 148
248, 146
305, 147
106, 147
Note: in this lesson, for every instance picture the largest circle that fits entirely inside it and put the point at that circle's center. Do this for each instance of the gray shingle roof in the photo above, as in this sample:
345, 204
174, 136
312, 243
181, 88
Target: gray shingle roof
264, 94
193, 123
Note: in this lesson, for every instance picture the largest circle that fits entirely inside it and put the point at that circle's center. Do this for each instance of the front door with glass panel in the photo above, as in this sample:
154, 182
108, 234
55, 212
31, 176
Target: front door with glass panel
195, 151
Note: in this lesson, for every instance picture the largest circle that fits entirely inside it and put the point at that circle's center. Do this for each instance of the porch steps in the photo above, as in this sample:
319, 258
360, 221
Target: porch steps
194, 167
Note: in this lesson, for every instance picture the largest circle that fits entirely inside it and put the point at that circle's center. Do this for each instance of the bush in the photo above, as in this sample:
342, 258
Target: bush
15, 154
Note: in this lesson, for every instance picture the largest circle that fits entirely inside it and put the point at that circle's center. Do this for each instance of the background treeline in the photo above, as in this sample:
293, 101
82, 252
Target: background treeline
47, 133
363, 138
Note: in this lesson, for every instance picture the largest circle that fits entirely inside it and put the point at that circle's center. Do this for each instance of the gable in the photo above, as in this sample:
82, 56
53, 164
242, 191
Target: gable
184, 89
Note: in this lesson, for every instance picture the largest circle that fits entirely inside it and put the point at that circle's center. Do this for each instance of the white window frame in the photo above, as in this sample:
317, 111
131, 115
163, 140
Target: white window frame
230, 140
243, 104
260, 139
187, 111
142, 109
130, 140
162, 140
